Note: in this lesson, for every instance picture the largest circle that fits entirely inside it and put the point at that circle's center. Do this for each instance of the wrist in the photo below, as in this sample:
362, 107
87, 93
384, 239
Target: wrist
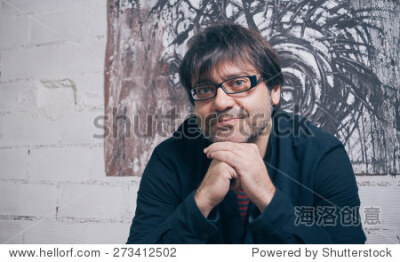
203, 205
264, 201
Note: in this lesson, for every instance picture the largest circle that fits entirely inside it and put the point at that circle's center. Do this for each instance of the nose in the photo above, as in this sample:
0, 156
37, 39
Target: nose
222, 101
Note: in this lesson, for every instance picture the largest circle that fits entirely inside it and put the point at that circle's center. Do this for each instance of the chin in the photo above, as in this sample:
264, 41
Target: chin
236, 138
236, 135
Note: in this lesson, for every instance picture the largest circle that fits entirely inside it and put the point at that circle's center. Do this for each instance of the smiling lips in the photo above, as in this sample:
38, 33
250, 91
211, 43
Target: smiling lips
226, 121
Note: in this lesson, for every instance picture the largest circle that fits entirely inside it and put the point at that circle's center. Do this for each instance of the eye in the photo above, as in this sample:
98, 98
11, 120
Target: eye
238, 83
203, 90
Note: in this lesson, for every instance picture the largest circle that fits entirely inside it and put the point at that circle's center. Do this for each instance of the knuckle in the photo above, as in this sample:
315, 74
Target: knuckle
253, 147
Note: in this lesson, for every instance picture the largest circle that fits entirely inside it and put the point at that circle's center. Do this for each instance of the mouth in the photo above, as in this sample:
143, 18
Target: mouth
225, 122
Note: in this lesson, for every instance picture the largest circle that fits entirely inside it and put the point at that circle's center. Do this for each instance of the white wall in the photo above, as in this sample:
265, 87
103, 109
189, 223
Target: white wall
53, 187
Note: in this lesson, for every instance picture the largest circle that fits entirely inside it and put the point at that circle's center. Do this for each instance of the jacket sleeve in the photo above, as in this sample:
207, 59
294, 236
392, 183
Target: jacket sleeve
162, 216
333, 218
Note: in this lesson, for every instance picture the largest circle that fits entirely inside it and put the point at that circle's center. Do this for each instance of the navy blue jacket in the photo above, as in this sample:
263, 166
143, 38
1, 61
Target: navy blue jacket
316, 199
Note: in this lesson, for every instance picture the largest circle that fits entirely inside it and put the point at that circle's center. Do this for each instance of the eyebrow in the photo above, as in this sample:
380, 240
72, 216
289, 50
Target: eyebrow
201, 81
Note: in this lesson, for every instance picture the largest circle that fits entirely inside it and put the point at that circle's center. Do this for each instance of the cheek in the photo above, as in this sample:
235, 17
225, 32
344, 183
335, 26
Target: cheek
202, 111
256, 104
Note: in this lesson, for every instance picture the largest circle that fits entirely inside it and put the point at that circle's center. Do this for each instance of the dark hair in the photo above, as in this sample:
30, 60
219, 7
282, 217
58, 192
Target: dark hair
229, 42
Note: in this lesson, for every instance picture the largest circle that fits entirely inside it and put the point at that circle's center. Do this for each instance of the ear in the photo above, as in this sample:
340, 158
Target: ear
276, 94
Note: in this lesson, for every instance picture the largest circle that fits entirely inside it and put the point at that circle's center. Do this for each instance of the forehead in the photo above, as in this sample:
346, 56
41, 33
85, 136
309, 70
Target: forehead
224, 70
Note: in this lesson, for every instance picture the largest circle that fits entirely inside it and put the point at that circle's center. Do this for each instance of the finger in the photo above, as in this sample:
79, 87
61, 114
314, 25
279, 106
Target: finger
228, 149
222, 146
225, 156
241, 149
211, 153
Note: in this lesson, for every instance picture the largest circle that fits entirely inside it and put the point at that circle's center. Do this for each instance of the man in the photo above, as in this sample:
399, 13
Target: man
241, 171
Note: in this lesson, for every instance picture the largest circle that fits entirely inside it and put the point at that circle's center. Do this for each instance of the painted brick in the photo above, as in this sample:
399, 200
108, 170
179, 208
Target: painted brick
106, 233
30, 62
14, 163
80, 128
85, 57
90, 89
56, 93
97, 167
1, 126
53, 61
69, 163
77, 4
389, 193
14, 31
28, 199
93, 201
28, 129
41, 115
50, 231
12, 231
385, 192
53, 26
383, 236
19, 7
17, 96
132, 196
98, 19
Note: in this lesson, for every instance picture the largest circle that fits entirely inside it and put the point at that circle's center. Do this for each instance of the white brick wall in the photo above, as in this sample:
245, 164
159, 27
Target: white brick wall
14, 163
12, 231
28, 128
382, 193
19, 34
53, 187
17, 96
24, 198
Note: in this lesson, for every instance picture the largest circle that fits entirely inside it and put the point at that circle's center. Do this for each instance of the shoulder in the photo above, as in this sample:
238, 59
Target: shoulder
302, 133
302, 140
312, 152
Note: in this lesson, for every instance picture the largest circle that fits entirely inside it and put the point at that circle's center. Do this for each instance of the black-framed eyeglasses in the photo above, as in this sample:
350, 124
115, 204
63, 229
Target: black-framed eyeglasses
231, 86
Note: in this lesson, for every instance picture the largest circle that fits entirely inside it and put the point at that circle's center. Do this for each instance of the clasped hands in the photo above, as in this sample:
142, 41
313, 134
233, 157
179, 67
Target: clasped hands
237, 162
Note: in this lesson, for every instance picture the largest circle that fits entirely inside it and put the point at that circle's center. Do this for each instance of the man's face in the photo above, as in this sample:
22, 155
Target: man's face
237, 117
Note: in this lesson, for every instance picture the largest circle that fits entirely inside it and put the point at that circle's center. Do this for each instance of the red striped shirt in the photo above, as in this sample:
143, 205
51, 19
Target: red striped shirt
243, 203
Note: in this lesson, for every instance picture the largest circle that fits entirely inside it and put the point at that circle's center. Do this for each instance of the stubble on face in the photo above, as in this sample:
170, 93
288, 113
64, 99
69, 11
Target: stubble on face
247, 127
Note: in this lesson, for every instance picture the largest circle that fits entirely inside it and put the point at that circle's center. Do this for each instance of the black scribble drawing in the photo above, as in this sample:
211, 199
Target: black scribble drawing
326, 48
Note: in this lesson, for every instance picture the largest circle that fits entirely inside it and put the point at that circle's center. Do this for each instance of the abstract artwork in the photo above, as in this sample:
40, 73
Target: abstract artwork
340, 61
